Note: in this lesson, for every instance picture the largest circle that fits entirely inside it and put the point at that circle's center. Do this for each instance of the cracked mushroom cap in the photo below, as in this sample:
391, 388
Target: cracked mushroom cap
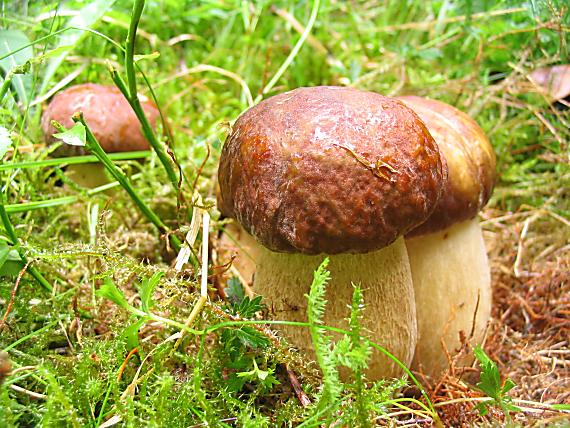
329, 170
107, 113
470, 161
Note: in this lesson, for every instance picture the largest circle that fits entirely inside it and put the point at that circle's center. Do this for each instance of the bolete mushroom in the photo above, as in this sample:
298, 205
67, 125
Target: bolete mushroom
341, 172
110, 118
452, 280
553, 80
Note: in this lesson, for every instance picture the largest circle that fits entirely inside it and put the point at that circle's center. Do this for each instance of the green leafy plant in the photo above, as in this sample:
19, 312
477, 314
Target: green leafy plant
10, 41
353, 352
322, 343
359, 402
14, 241
235, 293
265, 378
242, 344
490, 384
109, 290
240, 304
146, 288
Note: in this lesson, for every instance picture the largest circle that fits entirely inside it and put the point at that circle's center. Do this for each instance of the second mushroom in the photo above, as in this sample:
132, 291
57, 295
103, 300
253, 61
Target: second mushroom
447, 254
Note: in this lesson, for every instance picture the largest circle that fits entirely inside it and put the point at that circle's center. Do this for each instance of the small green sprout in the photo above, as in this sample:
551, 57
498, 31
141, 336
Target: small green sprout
490, 384
265, 378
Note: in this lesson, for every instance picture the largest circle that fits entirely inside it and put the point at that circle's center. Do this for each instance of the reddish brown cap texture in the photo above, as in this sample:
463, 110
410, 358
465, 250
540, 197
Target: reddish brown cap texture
329, 170
107, 113
470, 161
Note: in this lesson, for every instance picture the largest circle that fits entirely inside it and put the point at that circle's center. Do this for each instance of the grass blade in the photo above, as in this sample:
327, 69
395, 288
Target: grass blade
72, 160
10, 41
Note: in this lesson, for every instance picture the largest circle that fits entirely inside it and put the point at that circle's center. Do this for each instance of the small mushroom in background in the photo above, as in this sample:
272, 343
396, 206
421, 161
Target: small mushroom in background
450, 269
110, 118
341, 172
554, 80
5, 366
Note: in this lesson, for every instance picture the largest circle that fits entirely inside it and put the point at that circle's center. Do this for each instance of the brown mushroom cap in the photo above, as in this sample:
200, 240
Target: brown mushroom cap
329, 170
106, 111
555, 80
470, 161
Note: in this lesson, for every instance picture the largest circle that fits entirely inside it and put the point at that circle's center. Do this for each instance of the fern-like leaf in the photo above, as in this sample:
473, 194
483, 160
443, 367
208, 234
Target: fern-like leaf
360, 354
322, 343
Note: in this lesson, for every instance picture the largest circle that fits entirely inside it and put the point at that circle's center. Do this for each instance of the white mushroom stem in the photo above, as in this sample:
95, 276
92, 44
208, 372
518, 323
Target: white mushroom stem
88, 175
385, 278
452, 284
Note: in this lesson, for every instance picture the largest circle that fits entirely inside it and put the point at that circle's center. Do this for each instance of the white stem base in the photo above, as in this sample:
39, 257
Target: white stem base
451, 272
385, 278
88, 175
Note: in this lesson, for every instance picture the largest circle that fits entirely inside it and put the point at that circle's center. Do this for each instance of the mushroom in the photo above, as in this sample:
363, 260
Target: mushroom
554, 80
338, 172
110, 118
450, 270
